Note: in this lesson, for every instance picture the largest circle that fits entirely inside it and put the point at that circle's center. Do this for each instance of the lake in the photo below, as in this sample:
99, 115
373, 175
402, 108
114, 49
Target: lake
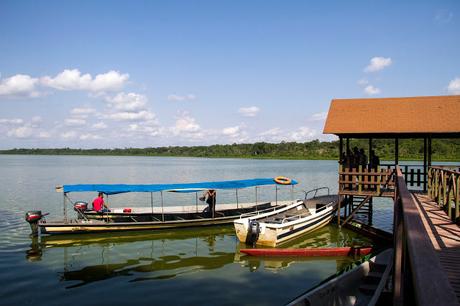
182, 267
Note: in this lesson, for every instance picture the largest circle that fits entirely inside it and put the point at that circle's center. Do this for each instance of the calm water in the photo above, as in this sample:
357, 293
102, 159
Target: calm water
183, 267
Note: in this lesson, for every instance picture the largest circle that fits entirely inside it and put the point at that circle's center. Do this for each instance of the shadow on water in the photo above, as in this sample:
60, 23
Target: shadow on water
166, 255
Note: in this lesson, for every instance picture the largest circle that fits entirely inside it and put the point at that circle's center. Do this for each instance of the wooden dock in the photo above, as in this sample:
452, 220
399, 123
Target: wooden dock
445, 237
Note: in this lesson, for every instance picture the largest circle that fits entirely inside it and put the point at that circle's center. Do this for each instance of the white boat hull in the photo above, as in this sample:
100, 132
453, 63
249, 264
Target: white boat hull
273, 230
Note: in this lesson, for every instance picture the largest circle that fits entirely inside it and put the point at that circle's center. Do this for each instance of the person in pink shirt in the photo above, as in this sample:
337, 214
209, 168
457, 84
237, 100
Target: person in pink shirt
98, 203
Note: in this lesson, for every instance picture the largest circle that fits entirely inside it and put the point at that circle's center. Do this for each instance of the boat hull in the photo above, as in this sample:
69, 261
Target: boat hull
309, 252
94, 226
272, 234
171, 221
348, 288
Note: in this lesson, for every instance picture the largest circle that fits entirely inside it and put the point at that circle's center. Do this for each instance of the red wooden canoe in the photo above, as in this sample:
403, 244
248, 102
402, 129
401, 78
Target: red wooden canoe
307, 252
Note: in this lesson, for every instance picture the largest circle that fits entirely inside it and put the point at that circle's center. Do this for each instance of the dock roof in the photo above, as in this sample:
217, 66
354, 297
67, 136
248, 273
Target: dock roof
409, 116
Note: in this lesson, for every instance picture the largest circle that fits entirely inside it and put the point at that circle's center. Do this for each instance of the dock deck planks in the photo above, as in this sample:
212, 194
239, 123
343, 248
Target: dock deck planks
445, 236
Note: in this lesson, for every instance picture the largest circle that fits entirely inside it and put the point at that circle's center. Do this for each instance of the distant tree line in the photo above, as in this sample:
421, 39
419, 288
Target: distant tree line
409, 149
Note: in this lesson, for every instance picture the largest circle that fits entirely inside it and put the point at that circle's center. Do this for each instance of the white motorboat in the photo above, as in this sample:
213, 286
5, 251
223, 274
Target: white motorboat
274, 226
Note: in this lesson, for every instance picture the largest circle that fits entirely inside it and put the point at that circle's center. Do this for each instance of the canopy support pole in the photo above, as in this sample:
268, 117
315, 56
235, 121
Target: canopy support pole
396, 151
151, 203
65, 207
237, 204
162, 211
256, 198
276, 195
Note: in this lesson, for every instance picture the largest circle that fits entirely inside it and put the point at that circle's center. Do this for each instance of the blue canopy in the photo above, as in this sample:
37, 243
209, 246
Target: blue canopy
188, 187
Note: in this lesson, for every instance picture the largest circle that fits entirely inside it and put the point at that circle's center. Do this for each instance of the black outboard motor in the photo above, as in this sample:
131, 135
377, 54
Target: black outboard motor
33, 217
253, 232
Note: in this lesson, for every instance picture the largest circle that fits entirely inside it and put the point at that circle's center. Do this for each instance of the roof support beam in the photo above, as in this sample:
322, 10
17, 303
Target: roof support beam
425, 168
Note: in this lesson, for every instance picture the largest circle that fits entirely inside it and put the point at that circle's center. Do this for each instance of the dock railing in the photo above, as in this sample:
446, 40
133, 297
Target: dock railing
368, 182
418, 276
444, 189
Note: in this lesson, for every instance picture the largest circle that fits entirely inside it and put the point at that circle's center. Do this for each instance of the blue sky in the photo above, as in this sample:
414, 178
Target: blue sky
104, 74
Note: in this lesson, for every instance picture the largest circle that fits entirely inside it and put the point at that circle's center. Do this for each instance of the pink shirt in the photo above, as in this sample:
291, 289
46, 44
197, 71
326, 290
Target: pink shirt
98, 203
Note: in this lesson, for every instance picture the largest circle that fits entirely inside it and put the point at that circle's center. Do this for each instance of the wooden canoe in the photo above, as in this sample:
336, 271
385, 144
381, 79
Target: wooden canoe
309, 252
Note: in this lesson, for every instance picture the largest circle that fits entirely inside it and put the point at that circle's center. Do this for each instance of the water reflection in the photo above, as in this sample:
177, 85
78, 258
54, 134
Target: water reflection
166, 255
326, 237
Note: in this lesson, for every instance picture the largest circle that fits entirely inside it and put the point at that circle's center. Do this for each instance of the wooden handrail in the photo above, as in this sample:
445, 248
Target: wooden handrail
415, 260
447, 169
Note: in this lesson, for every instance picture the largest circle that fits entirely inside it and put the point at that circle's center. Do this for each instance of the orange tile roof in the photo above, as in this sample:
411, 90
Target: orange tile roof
437, 114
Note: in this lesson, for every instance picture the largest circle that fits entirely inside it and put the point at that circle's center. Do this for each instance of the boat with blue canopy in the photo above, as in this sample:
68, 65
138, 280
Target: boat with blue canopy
206, 211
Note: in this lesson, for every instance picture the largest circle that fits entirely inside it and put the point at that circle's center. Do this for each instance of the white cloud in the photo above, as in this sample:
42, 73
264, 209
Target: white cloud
75, 122
185, 124
302, 134
454, 86
82, 112
109, 81
233, 131
363, 82
132, 116
377, 64
129, 102
37, 120
147, 128
99, 126
250, 111
179, 98
14, 121
371, 90
19, 85
21, 132
44, 134
89, 137
318, 116
271, 132
69, 135
74, 80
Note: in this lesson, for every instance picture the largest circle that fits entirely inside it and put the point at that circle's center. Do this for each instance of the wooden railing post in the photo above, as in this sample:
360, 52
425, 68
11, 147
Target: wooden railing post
457, 198
360, 178
378, 179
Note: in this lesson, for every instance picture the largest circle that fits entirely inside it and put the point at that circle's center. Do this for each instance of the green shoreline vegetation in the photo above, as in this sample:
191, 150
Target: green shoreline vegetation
409, 149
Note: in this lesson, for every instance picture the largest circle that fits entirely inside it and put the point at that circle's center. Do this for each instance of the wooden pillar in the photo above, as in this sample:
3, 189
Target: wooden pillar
340, 145
348, 145
425, 169
396, 150
429, 151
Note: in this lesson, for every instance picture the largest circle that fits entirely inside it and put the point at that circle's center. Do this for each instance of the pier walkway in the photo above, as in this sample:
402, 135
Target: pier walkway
445, 237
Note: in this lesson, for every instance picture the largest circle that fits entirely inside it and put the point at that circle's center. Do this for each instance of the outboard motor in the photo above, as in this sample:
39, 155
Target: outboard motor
80, 206
253, 232
32, 217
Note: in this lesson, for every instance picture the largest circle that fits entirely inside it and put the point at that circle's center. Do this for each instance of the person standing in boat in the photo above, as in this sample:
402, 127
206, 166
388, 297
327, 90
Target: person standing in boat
210, 196
99, 204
